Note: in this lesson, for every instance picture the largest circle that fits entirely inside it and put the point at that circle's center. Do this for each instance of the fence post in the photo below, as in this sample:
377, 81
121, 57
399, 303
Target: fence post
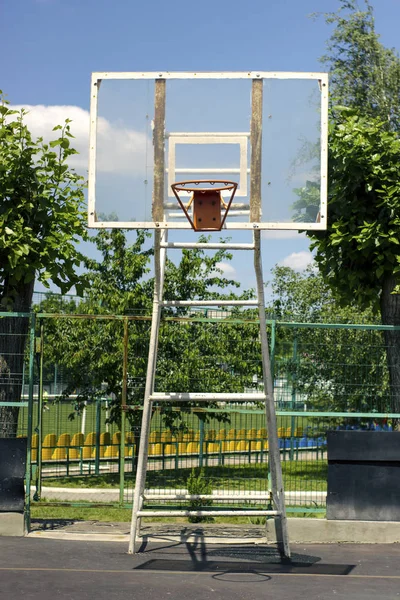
30, 421
98, 425
201, 443
294, 384
124, 398
40, 416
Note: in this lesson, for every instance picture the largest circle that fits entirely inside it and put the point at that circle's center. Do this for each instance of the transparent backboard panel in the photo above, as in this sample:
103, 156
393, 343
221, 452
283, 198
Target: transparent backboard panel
291, 151
207, 136
124, 151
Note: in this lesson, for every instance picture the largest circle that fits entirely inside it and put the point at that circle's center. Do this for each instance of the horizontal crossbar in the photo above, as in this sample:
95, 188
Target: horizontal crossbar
205, 246
205, 396
210, 513
217, 498
209, 303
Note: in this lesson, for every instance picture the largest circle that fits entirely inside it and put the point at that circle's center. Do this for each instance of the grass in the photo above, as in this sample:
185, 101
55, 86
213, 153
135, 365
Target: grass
123, 515
298, 476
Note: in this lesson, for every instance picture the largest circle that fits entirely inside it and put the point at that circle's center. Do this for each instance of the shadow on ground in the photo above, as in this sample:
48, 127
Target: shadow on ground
192, 555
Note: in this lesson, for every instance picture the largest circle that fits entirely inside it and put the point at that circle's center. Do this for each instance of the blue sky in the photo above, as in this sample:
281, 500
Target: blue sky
50, 48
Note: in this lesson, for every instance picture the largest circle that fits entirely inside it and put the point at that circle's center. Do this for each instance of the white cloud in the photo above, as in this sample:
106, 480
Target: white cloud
119, 149
297, 260
282, 234
227, 269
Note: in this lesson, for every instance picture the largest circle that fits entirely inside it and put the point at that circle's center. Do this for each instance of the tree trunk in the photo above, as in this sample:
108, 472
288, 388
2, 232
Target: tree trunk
13, 337
390, 311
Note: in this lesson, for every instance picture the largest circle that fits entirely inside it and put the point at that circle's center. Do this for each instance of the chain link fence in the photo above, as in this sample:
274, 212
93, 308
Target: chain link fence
74, 385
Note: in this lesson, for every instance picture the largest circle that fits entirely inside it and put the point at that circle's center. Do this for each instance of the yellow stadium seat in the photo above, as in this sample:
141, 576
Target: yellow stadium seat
241, 433
242, 446
166, 436
178, 437
90, 439
59, 454
232, 446
225, 446
77, 439
265, 445
262, 433
35, 440
34, 454
221, 435
210, 434
169, 449
64, 439
182, 448
281, 431
212, 447
193, 448
289, 432
50, 441
105, 438
111, 452
251, 434
187, 437
87, 452
231, 434
299, 432
155, 436
156, 449
196, 436
116, 438
47, 453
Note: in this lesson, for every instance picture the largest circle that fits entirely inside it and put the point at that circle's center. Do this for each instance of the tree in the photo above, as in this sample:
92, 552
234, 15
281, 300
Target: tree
192, 356
41, 223
363, 73
331, 368
359, 253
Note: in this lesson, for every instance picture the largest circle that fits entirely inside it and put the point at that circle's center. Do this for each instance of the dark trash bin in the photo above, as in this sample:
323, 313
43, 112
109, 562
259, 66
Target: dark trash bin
12, 474
363, 475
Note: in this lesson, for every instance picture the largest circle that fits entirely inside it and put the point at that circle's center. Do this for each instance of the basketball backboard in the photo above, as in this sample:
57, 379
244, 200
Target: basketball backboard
266, 131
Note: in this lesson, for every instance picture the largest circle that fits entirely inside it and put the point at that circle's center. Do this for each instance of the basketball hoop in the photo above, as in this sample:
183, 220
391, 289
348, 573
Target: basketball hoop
206, 209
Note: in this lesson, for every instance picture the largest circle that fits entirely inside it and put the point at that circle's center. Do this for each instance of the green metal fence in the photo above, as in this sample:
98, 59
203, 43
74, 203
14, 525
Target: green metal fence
80, 387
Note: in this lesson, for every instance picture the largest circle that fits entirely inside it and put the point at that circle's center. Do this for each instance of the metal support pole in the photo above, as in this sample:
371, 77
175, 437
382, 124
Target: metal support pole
159, 267
30, 421
274, 455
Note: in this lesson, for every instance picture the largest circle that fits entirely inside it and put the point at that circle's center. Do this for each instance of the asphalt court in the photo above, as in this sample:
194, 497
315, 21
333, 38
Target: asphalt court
49, 569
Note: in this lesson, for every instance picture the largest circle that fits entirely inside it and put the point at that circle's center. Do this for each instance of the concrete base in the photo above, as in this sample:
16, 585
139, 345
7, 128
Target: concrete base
301, 531
321, 531
12, 524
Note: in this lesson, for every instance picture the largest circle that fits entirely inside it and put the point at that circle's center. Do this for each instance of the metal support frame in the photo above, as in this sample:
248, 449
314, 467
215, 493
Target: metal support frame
277, 493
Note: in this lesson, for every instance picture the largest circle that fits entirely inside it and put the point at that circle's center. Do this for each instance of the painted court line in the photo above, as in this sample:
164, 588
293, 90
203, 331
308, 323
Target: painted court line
154, 571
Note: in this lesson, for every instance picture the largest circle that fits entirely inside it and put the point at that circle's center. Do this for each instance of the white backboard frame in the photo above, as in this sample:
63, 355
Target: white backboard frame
207, 137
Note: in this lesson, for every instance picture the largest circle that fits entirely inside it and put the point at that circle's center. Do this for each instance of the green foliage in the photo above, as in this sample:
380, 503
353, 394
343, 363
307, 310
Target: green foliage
192, 357
197, 484
41, 212
363, 73
331, 369
361, 245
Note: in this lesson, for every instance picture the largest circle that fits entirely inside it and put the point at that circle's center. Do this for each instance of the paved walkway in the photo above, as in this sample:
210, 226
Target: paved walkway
300, 498
45, 569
